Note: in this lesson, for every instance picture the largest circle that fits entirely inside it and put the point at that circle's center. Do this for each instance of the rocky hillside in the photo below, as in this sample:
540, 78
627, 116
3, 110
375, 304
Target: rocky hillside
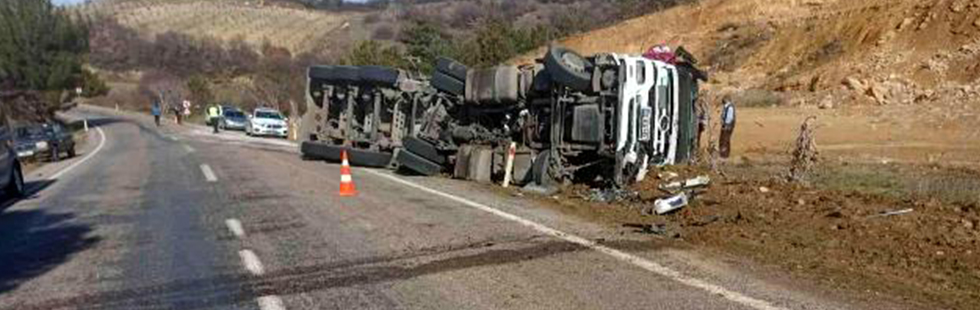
819, 52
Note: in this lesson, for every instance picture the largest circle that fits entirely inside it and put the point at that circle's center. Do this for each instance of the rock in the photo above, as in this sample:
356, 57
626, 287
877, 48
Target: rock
826, 103
977, 23
906, 23
764, 189
853, 83
968, 224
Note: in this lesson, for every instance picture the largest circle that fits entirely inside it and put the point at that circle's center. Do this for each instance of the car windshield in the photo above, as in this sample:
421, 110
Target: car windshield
234, 114
268, 114
32, 132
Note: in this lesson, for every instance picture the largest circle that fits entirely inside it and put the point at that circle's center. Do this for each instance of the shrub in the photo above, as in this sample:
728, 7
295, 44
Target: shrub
374, 53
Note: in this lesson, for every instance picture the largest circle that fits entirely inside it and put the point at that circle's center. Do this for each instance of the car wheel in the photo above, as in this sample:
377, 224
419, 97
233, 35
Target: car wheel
15, 187
71, 152
568, 68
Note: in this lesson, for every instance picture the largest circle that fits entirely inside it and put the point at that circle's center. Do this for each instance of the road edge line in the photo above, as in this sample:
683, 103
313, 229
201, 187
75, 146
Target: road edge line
620, 255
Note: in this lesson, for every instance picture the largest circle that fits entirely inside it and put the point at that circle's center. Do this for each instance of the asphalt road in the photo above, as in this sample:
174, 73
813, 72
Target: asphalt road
178, 218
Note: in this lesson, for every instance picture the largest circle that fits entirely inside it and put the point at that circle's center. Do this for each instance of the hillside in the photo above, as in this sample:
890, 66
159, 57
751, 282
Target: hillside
289, 26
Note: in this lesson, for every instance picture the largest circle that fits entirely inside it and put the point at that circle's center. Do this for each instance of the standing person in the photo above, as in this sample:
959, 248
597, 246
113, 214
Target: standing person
214, 115
155, 110
727, 127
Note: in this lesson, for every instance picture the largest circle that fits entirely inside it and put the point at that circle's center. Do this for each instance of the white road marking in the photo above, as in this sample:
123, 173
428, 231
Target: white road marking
98, 148
235, 227
271, 302
620, 255
251, 262
208, 173
188, 148
172, 138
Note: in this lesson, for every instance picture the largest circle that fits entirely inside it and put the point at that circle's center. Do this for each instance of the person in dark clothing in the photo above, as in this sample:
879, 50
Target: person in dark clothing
155, 110
727, 127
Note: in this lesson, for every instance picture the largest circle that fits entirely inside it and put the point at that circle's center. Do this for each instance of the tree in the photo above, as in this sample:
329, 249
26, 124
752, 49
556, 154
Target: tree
425, 42
368, 53
41, 47
199, 89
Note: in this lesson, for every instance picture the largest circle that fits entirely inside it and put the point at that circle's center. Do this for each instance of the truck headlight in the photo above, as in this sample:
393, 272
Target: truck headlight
41, 145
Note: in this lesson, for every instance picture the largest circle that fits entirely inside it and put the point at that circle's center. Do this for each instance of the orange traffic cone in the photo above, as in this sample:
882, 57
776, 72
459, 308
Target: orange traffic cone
346, 181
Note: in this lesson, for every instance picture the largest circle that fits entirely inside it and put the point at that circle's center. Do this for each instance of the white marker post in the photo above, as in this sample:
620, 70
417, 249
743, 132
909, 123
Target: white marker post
509, 166
85, 124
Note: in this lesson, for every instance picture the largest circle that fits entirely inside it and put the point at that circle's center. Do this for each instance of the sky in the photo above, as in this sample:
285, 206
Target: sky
64, 2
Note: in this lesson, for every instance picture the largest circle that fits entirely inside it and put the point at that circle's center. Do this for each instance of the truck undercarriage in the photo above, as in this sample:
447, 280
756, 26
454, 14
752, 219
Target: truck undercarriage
603, 119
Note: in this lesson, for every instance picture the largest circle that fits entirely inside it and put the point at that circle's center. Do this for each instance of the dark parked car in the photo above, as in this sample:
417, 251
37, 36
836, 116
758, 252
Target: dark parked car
11, 175
43, 141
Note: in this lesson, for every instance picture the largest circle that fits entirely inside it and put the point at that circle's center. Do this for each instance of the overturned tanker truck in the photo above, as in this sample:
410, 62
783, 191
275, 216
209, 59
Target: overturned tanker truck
605, 119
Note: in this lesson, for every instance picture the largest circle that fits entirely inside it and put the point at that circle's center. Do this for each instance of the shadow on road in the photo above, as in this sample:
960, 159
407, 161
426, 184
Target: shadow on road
32, 242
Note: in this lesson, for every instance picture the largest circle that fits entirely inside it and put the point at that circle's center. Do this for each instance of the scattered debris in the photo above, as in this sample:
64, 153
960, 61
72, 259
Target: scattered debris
891, 213
699, 181
763, 189
667, 175
609, 195
705, 220
665, 205
656, 229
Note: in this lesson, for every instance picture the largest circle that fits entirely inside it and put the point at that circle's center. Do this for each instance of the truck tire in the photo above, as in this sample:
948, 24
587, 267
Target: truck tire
356, 157
568, 68
425, 149
449, 84
451, 68
334, 74
409, 161
379, 75
540, 173
369, 75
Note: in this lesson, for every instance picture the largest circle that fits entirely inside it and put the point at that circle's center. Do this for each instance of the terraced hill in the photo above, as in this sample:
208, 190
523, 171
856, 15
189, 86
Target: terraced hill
293, 27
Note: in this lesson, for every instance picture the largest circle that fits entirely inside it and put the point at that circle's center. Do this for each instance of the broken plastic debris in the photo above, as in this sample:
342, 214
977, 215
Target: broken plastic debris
672, 203
890, 213
689, 183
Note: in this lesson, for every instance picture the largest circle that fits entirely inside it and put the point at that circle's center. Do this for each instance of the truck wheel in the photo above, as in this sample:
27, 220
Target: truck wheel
449, 84
540, 170
452, 68
568, 68
356, 157
425, 149
71, 152
407, 160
